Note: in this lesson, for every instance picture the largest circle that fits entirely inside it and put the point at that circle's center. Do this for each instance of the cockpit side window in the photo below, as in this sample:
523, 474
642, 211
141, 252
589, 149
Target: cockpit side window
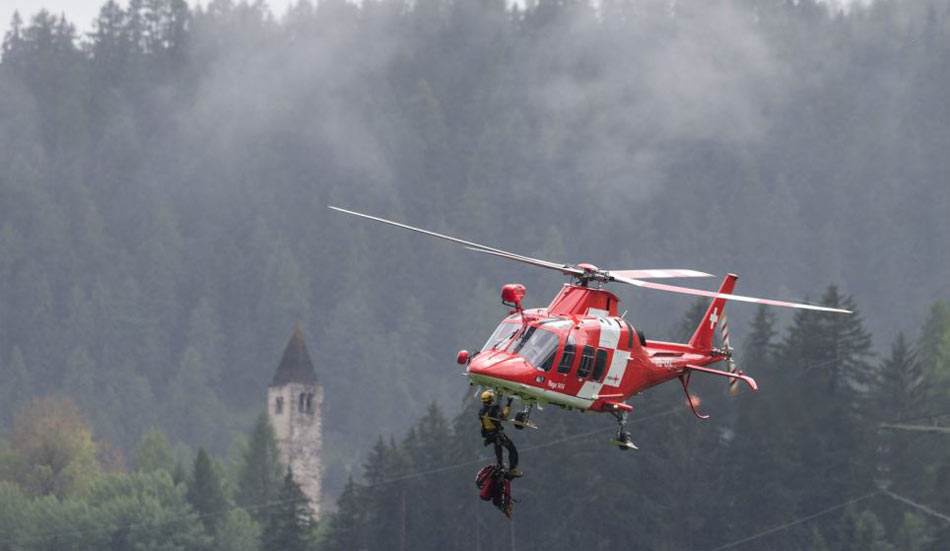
502, 335
567, 357
587, 358
600, 365
537, 346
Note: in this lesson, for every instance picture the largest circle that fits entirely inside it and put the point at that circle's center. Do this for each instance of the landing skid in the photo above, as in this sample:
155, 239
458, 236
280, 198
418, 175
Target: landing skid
623, 440
624, 445
525, 424
517, 424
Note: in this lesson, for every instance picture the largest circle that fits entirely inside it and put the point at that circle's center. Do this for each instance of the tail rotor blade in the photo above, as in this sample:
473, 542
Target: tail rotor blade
724, 329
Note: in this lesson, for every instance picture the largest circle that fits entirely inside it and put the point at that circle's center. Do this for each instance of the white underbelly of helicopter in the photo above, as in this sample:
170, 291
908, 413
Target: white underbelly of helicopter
541, 395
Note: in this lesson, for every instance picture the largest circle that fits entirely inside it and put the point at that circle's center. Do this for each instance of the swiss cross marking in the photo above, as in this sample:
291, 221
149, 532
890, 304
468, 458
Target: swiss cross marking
713, 318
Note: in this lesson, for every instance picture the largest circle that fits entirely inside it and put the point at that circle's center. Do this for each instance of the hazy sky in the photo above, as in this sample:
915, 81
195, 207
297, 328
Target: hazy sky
82, 12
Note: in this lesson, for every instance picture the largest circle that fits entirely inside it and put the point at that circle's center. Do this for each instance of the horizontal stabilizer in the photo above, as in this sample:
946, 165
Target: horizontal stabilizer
744, 378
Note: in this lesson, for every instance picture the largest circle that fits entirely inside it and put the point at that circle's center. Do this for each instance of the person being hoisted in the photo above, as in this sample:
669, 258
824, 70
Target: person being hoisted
491, 416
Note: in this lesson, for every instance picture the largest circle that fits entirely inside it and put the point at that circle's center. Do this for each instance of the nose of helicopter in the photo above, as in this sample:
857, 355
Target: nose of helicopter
501, 366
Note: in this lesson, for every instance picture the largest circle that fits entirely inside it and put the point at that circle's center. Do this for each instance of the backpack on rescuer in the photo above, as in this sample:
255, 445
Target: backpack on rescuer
495, 486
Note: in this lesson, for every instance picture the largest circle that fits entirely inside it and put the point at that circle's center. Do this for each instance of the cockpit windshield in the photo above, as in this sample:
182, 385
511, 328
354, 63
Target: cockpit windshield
502, 335
537, 346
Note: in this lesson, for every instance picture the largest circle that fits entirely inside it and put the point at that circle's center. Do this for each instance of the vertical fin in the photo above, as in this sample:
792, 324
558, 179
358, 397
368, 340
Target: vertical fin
703, 337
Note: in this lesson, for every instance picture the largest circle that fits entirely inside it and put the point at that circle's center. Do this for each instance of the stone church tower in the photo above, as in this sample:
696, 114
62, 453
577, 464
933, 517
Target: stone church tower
293, 403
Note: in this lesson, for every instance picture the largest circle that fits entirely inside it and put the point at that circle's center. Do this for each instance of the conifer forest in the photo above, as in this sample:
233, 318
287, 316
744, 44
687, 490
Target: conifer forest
165, 172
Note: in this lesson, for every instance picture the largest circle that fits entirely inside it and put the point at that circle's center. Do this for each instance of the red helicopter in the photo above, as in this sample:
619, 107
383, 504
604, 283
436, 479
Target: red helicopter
577, 353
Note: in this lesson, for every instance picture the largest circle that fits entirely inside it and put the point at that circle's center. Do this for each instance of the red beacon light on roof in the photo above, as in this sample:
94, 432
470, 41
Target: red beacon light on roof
512, 294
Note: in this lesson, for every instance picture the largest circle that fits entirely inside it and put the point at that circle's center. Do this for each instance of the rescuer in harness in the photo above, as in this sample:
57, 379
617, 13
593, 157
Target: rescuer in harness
491, 416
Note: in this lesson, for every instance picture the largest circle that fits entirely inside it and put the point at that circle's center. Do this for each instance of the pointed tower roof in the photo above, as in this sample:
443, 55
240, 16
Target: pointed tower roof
295, 366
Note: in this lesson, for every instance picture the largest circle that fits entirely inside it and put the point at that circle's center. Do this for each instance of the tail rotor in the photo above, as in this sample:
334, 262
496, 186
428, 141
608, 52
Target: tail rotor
727, 348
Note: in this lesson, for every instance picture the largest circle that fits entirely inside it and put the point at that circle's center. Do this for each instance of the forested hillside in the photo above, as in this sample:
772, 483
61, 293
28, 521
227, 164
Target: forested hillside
801, 465
164, 176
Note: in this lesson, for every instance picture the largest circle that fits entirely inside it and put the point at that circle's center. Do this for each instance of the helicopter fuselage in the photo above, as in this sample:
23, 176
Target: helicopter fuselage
578, 353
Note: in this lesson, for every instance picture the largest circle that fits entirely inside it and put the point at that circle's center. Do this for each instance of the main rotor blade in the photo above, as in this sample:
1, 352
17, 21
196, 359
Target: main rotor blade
469, 244
688, 291
658, 274
563, 268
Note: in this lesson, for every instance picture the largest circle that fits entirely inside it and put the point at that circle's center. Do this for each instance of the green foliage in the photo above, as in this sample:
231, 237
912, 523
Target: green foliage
237, 531
205, 493
155, 453
140, 511
290, 520
260, 472
864, 532
345, 529
912, 535
51, 451
759, 351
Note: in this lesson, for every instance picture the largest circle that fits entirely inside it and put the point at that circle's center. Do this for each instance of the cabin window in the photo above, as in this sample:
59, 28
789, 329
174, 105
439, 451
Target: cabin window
567, 359
587, 358
538, 347
300, 402
279, 405
499, 339
600, 364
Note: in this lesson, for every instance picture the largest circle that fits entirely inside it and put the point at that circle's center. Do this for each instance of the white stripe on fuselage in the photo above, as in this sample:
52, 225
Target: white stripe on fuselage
618, 366
589, 390
597, 313
609, 333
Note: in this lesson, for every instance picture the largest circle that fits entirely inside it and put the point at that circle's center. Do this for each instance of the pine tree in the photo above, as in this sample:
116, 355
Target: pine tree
830, 385
346, 528
205, 492
932, 333
427, 447
761, 435
760, 344
834, 347
109, 45
383, 494
238, 532
290, 520
12, 39
259, 475
899, 397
